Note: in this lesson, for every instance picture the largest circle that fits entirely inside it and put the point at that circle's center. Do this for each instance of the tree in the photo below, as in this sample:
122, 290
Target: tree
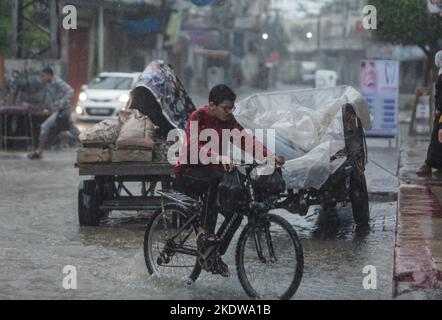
36, 39
280, 38
408, 22
5, 27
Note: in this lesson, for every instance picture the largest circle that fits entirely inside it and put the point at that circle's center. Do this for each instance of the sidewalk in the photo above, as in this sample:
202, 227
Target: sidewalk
418, 246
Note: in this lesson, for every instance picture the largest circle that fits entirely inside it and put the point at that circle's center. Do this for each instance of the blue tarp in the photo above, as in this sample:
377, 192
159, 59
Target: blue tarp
201, 3
150, 24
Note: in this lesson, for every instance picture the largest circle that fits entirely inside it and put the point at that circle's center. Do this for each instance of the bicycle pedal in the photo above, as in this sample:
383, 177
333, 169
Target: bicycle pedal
217, 266
188, 283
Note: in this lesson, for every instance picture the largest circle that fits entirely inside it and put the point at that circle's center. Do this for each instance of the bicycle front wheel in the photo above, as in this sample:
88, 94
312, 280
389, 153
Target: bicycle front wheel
269, 259
170, 244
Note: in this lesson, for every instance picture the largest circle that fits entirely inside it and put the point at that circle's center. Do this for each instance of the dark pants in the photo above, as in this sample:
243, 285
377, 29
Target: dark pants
59, 121
203, 182
434, 155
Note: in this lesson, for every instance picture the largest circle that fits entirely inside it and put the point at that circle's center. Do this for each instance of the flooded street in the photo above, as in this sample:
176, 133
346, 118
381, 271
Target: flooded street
347, 93
39, 235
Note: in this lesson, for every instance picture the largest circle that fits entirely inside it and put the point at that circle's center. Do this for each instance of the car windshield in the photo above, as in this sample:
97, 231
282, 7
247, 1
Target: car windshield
111, 83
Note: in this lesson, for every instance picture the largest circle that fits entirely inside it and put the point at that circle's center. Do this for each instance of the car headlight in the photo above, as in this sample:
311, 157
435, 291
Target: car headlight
79, 110
82, 96
124, 98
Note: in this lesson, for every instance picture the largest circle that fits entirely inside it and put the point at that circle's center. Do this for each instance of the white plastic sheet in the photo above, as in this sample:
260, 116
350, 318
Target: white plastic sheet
309, 128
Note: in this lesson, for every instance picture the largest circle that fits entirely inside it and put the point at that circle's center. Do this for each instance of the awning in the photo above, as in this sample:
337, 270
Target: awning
129, 5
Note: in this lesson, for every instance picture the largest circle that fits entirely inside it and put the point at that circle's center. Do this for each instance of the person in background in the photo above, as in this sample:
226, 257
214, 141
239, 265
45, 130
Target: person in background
60, 95
188, 76
434, 155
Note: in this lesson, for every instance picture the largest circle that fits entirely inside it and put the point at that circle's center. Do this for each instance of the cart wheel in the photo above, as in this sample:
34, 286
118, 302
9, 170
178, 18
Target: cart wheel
88, 213
107, 192
359, 198
362, 156
354, 137
81, 208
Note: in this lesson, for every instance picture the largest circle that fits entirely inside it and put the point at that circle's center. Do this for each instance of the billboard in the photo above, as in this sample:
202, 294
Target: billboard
380, 87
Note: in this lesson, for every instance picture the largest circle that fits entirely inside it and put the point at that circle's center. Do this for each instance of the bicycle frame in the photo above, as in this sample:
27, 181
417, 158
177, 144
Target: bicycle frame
256, 217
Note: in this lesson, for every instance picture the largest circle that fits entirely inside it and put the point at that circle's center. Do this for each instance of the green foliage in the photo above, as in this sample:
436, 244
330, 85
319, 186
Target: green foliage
5, 27
279, 38
34, 38
407, 22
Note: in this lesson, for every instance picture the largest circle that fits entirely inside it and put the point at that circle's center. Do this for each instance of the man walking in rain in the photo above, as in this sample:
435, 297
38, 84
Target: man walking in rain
60, 94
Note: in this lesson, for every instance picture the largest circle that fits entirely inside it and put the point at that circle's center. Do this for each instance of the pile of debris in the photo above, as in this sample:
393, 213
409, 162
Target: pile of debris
131, 138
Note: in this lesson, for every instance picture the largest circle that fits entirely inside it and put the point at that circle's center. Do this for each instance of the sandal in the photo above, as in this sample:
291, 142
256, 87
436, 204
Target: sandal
33, 156
424, 171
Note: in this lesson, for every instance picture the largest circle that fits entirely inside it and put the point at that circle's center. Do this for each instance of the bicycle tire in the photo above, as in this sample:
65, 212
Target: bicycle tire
151, 258
293, 283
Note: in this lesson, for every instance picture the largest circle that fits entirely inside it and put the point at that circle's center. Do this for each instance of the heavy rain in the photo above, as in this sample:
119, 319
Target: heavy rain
348, 98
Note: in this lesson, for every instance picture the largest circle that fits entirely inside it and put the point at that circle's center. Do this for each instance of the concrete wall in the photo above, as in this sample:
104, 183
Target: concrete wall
22, 80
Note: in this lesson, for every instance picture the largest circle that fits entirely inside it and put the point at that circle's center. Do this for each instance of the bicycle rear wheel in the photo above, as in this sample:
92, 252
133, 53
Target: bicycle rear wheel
275, 273
168, 252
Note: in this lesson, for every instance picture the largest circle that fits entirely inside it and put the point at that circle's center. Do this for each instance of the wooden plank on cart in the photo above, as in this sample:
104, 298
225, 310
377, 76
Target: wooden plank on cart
125, 155
93, 155
125, 169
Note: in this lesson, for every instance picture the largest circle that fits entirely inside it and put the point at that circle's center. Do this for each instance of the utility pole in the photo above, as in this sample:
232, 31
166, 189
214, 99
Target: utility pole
100, 39
160, 37
38, 11
54, 36
17, 29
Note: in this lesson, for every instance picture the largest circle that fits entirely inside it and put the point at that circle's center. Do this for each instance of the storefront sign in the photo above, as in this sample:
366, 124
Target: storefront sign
201, 3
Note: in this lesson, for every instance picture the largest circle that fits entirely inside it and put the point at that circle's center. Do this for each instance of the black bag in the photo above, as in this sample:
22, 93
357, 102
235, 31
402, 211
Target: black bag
272, 184
63, 119
232, 194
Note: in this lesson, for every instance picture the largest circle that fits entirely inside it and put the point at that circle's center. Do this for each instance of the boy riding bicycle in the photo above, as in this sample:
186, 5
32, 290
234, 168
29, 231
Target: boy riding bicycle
202, 177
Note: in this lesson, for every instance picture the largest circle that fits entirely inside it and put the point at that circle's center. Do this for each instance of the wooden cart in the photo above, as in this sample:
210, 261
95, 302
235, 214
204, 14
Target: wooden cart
106, 188
160, 95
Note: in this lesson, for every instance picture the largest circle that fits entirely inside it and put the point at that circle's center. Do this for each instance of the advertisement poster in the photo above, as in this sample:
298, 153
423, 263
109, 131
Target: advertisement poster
380, 87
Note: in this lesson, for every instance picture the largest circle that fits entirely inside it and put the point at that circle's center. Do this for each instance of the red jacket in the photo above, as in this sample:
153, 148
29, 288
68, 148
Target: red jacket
208, 121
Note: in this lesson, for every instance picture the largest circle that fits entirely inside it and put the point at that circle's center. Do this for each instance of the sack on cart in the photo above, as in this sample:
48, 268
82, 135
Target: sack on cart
137, 132
104, 132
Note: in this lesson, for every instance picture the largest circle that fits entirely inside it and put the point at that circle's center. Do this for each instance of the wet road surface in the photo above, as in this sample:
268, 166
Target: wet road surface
39, 235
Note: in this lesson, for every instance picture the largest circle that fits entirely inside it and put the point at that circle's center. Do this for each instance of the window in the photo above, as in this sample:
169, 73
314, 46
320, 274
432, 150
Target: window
111, 83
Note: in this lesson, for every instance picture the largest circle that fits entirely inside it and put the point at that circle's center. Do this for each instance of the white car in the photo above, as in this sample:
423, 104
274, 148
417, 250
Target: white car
105, 96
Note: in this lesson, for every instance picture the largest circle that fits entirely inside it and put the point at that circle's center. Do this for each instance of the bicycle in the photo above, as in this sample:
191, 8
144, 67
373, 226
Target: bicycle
269, 256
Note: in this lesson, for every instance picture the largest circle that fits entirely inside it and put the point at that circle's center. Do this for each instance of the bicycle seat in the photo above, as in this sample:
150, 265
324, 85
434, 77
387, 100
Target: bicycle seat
179, 197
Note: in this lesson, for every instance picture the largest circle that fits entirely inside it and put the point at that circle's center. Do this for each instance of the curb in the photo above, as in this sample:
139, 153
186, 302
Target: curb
382, 196
414, 262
